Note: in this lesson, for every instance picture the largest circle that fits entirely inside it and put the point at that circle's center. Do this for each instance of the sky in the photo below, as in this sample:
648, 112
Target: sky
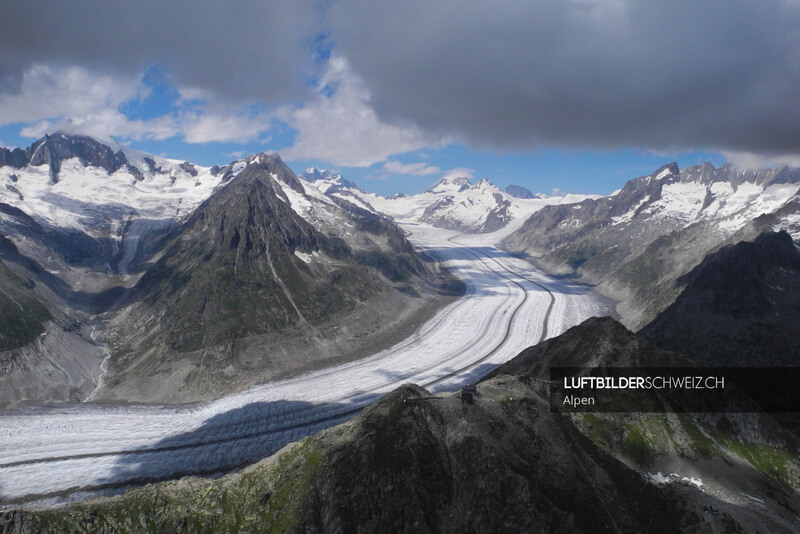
555, 95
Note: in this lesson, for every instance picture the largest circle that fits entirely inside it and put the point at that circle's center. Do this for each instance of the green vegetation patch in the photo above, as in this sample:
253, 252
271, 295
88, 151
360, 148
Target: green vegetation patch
699, 442
22, 316
599, 430
772, 461
268, 498
637, 446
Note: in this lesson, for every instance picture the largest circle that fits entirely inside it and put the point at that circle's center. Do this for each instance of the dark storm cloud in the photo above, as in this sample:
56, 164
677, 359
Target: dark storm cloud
240, 50
663, 75
720, 75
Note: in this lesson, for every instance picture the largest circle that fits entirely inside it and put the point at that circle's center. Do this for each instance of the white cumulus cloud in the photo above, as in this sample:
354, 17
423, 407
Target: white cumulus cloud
230, 125
76, 100
341, 127
751, 160
48, 92
417, 169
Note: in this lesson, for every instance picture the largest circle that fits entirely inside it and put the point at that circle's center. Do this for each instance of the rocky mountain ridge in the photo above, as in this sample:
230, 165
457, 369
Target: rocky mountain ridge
635, 243
739, 307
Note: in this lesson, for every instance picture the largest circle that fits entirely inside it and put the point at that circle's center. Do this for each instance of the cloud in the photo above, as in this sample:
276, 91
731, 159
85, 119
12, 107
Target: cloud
238, 51
339, 126
459, 172
417, 169
625, 73
106, 123
233, 125
663, 76
750, 160
46, 91
76, 100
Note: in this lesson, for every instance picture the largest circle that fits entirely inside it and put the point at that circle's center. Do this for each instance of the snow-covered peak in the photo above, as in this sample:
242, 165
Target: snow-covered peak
724, 198
329, 182
481, 207
103, 189
485, 185
450, 185
314, 173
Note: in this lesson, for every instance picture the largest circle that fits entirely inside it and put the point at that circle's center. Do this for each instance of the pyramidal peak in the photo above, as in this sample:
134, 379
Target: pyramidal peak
315, 173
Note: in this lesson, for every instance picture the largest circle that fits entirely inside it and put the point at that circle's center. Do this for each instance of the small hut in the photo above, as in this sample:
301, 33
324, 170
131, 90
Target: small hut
468, 394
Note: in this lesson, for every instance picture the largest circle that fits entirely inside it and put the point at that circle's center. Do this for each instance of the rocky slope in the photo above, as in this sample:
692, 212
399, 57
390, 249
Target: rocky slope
43, 356
637, 242
740, 306
519, 191
22, 315
412, 462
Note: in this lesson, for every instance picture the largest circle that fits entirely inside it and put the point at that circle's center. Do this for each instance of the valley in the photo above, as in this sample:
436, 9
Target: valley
265, 307
57, 454
399, 267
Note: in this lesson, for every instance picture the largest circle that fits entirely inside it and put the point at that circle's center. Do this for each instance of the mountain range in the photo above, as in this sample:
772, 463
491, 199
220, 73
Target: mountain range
636, 243
128, 277
186, 282
454, 202
127, 266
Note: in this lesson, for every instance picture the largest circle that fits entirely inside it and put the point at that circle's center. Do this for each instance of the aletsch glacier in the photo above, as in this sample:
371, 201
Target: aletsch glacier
51, 453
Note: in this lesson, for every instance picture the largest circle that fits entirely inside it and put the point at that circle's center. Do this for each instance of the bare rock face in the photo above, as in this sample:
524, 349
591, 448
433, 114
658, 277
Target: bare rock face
740, 306
53, 149
519, 191
15, 157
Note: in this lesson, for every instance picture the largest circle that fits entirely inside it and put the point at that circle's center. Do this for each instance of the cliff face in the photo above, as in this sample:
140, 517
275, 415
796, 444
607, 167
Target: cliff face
740, 306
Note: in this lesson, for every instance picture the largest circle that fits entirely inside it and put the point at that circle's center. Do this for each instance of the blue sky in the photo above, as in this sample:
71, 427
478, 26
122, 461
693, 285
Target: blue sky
570, 96
542, 170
